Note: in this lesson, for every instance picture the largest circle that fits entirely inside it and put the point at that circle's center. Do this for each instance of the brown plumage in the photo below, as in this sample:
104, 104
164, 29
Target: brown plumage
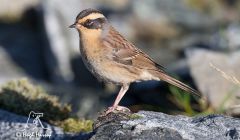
111, 58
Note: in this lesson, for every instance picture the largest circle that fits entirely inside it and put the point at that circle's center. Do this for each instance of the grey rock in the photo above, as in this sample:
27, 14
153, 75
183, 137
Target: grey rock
145, 125
176, 12
153, 125
8, 69
226, 39
25, 44
15, 127
56, 24
14, 10
213, 83
232, 34
64, 42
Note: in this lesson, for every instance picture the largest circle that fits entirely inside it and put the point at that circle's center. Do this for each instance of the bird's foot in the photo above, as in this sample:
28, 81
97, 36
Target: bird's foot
115, 109
112, 114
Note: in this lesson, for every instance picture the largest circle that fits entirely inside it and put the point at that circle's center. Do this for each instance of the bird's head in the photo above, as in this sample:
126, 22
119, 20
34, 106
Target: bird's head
89, 21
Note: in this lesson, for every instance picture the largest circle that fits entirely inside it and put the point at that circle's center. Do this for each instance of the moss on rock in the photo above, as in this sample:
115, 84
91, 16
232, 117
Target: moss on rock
76, 125
21, 97
135, 116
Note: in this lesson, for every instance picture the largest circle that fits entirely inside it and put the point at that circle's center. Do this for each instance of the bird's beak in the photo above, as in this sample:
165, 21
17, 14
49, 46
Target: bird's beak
73, 25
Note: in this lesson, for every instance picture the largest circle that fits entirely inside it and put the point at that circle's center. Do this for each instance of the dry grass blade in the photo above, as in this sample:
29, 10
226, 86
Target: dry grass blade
225, 75
233, 110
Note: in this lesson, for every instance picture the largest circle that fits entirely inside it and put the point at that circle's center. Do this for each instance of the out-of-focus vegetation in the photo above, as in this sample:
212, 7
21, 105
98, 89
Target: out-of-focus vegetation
213, 6
21, 97
185, 103
228, 96
228, 77
200, 106
76, 125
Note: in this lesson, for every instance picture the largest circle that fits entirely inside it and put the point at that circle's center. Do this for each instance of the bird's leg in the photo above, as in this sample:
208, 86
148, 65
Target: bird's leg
121, 93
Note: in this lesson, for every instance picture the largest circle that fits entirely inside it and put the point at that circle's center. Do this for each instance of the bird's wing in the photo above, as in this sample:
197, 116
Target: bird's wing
126, 53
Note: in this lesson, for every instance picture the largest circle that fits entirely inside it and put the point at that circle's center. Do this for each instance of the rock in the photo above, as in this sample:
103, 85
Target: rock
56, 24
142, 125
14, 126
177, 12
153, 125
212, 83
64, 42
8, 69
10, 11
28, 46
232, 34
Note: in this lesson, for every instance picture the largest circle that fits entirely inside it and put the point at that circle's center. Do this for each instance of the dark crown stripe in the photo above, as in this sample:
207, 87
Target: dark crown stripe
86, 12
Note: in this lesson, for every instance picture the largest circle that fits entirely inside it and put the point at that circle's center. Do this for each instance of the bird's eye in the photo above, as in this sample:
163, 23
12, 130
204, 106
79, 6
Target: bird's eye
94, 23
88, 23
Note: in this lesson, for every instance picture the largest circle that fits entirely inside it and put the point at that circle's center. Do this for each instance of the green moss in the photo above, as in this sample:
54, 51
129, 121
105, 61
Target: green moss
76, 125
135, 116
21, 97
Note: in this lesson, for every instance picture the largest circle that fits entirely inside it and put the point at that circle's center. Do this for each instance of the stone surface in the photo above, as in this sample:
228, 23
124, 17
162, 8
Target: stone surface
10, 11
143, 125
15, 127
211, 82
26, 44
177, 12
8, 69
64, 42
152, 125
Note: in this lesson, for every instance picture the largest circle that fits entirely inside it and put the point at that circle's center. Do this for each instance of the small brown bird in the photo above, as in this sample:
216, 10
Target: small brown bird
111, 58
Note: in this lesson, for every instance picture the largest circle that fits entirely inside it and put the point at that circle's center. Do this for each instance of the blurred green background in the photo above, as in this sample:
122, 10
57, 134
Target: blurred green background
197, 41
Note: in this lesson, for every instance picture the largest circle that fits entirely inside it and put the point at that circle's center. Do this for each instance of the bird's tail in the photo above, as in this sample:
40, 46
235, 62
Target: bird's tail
165, 77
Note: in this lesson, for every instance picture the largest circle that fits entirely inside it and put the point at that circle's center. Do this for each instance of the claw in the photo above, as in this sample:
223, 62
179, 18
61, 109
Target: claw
117, 108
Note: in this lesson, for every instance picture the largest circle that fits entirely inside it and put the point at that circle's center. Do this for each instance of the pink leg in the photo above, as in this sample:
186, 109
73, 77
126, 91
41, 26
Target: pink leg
121, 93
